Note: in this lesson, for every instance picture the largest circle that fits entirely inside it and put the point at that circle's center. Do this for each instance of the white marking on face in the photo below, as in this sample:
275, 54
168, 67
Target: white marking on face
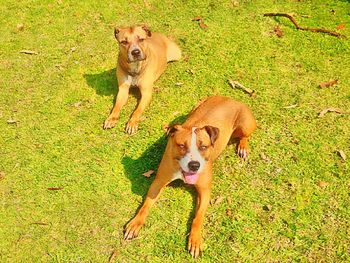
192, 155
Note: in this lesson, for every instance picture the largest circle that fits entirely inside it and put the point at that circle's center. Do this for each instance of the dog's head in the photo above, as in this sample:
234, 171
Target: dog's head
133, 42
192, 149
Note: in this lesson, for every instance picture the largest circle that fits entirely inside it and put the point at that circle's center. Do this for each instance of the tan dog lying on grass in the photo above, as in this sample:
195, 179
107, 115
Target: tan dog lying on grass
143, 57
191, 149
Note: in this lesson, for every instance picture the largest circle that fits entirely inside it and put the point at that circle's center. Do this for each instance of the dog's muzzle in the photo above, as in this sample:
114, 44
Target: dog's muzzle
135, 54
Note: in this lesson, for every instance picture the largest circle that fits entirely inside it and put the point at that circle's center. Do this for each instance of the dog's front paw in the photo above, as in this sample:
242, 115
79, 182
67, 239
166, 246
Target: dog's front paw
131, 127
195, 244
242, 149
132, 229
109, 122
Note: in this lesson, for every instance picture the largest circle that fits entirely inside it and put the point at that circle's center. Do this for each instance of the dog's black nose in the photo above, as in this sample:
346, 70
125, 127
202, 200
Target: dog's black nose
136, 52
193, 166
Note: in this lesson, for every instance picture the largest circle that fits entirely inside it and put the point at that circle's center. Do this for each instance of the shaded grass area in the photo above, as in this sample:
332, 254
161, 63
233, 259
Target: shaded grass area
61, 97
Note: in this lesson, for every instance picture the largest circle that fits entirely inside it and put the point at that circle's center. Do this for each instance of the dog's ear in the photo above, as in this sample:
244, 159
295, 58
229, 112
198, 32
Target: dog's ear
170, 130
147, 30
116, 32
213, 133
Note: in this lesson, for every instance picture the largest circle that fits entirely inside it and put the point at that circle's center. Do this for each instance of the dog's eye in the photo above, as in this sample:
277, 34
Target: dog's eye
141, 39
181, 146
203, 148
124, 42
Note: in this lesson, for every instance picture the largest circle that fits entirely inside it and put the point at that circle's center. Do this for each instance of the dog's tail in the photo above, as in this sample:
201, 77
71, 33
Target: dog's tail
173, 51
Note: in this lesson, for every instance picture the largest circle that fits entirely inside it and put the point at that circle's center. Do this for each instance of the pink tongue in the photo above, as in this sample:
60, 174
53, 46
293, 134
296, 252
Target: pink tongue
191, 178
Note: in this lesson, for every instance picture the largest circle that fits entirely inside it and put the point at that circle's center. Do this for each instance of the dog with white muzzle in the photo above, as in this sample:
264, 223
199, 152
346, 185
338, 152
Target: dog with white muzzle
191, 149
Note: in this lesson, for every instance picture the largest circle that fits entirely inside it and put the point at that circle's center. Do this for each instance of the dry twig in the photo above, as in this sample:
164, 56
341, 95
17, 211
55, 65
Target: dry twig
236, 84
317, 30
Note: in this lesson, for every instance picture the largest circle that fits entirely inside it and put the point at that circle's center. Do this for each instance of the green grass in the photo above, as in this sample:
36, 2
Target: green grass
58, 143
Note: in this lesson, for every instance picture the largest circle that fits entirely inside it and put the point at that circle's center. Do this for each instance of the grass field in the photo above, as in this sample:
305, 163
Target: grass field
67, 187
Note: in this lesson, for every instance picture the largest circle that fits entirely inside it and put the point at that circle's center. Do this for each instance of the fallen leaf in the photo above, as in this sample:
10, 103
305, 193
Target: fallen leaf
328, 84
156, 89
323, 112
341, 26
73, 49
190, 71
54, 188
217, 200
322, 184
196, 18
278, 31
201, 22
235, 3
2, 175
28, 52
77, 104
11, 121
295, 141
236, 84
178, 84
342, 154
229, 212
267, 207
278, 170
20, 27
264, 157
291, 106
148, 174
202, 25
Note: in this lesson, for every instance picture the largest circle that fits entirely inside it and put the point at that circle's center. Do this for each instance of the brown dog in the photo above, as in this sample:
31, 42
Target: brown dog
189, 155
143, 57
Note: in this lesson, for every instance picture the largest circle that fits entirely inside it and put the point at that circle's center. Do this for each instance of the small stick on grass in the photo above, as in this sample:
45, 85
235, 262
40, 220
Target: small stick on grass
316, 30
28, 52
54, 188
236, 84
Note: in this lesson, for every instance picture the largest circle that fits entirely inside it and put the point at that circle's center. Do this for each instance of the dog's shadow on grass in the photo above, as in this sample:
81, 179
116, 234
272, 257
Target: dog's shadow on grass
149, 160
105, 83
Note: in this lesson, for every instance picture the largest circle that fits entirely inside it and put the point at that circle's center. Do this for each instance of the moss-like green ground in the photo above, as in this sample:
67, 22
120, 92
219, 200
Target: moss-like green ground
288, 203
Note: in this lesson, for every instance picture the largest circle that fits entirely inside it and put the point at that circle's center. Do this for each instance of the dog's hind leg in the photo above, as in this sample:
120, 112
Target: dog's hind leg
173, 51
246, 126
